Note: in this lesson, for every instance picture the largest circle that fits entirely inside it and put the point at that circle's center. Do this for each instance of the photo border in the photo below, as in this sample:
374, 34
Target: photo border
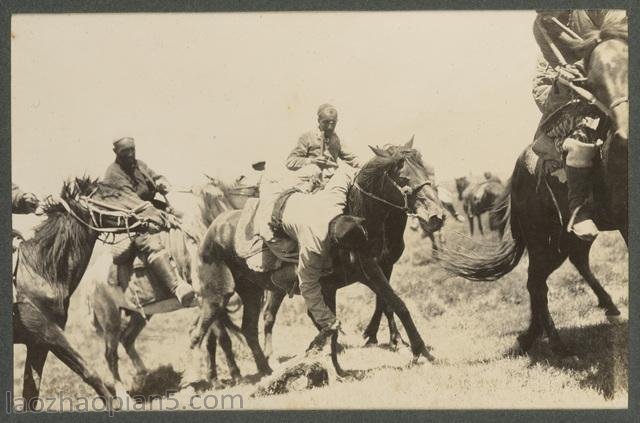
10, 7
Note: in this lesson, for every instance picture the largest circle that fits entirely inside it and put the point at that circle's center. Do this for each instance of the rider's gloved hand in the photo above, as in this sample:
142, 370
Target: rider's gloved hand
568, 73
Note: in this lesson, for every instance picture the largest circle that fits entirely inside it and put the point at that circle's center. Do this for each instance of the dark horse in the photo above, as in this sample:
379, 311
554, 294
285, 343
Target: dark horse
478, 199
214, 198
537, 225
389, 186
50, 265
430, 227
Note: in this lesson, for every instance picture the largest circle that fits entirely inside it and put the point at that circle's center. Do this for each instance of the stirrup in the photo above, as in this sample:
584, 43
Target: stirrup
586, 230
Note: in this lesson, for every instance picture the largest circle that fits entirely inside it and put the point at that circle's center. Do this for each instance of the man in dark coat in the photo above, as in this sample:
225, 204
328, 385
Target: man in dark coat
136, 183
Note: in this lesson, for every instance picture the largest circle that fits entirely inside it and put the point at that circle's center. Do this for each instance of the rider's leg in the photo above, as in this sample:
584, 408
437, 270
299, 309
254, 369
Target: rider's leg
309, 272
163, 268
579, 169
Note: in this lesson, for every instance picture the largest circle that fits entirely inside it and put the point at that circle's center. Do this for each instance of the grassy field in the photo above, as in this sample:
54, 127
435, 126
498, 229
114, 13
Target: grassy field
471, 326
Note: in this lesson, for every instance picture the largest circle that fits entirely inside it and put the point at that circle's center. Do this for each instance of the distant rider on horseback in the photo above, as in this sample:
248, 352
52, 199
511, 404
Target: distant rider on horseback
135, 184
571, 132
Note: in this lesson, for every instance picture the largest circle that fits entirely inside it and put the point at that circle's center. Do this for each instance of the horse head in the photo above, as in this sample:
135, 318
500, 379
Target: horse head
416, 181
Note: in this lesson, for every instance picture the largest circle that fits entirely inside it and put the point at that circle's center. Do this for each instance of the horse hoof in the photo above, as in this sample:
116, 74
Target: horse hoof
371, 342
616, 319
424, 353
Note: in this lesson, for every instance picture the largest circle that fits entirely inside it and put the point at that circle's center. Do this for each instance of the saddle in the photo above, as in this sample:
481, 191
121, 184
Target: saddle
259, 255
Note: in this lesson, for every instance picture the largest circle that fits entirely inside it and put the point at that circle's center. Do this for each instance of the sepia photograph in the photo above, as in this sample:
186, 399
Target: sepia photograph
319, 210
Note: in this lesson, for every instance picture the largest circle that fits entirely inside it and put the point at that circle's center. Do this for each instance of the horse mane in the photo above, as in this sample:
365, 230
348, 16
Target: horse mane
612, 27
60, 234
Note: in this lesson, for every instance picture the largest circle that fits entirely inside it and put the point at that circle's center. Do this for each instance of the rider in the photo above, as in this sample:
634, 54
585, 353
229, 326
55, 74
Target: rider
574, 137
22, 202
315, 156
317, 151
136, 183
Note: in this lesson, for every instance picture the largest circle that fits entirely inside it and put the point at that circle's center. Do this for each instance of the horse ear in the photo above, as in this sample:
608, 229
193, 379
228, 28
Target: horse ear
379, 152
409, 144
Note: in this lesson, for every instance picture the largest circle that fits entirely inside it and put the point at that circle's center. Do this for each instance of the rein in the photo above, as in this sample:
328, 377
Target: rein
405, 208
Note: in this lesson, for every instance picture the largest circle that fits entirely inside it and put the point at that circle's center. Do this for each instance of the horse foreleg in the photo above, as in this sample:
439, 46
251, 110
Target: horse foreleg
128, 340
371, 332
33, 366
579, 256
274, 300
221, 334
480, 224
470, 217
380, 284
251, 299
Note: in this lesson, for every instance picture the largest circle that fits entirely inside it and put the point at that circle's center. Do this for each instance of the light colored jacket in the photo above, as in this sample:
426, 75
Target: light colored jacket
312, 145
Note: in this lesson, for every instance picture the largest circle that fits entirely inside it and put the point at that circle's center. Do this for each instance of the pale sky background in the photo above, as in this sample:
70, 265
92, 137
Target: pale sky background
211, 92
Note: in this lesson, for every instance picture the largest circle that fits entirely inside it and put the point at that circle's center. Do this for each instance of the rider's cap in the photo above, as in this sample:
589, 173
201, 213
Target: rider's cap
123, 143
327, 110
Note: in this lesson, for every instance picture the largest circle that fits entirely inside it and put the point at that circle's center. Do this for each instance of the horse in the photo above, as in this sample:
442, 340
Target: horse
437, 237
478, 199
538, 206
49, 268
213, 198
388, 187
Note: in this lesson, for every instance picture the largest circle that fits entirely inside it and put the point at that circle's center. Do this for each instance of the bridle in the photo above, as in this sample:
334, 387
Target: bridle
406, 192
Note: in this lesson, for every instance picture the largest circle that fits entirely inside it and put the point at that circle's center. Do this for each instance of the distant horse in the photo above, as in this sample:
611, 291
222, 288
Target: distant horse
380, 199
437, 237
478, 199
214, 198
538, 207
49, 267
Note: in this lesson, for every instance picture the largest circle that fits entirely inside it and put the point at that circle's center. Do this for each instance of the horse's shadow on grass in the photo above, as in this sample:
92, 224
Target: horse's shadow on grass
602, 353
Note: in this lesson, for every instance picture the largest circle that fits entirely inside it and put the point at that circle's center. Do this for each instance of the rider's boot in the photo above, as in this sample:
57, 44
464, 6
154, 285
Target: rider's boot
163, 269
579, 169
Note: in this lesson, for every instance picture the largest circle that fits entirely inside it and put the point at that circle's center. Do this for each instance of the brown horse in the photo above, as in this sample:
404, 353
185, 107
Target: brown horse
538, 212
50, 265
379, 199
478, 199
107, 300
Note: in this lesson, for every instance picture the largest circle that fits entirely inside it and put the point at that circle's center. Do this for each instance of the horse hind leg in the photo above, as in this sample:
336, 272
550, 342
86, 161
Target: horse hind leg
33, 367
480, 228
542, 263
579, 257
128, 339
220, 333
251, 299
52, 338
274, 300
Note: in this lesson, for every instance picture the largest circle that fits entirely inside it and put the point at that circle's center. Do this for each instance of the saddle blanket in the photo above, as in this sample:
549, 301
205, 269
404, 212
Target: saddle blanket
248, 244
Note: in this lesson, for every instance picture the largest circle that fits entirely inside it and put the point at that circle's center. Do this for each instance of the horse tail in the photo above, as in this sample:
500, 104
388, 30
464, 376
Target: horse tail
489, 261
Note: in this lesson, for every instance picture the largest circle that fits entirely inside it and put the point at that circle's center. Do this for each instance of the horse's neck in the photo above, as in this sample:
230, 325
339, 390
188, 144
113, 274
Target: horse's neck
78, 264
